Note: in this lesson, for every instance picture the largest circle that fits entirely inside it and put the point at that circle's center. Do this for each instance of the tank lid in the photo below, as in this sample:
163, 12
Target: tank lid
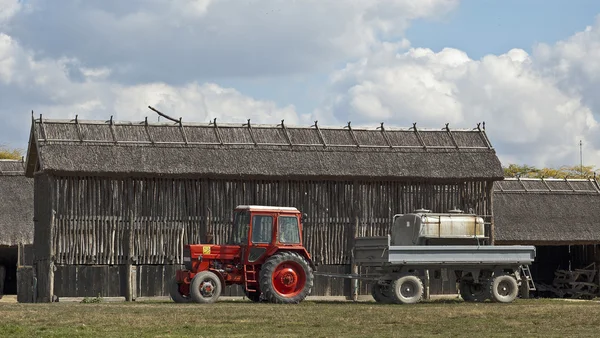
456, 211
422, 211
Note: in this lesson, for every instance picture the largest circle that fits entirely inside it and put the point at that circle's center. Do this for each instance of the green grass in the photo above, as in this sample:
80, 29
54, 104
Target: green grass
524, 318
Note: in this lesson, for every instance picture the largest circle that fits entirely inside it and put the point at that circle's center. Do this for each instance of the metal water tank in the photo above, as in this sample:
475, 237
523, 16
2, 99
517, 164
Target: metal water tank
420, 228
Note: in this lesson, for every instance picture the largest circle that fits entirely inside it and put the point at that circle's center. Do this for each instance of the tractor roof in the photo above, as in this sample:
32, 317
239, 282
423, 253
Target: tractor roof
266, 208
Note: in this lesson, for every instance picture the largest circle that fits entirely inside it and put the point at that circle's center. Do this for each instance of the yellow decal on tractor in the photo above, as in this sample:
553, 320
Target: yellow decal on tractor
206, 250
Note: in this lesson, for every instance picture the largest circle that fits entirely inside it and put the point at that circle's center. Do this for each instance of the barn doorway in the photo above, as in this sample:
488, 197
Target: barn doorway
8, 260
553, 258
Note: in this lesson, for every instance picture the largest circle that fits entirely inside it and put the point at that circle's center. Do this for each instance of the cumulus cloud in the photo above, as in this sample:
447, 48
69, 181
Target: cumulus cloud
531, 116
48, 87
8, 8
183, 40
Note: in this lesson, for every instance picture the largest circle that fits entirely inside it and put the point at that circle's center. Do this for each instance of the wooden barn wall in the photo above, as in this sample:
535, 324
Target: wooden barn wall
96, 221
93, 214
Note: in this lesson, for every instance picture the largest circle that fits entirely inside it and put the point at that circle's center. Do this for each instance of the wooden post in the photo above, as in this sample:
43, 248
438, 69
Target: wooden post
129, 254
51, 257
427, 284
354, 267
490, 193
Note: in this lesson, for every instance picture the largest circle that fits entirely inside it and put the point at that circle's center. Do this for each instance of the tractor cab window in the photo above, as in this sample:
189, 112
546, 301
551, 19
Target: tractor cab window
241, 225
288, 230
262, 229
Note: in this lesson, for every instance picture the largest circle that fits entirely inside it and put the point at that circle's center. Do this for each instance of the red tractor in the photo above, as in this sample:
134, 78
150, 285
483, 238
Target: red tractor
264, 254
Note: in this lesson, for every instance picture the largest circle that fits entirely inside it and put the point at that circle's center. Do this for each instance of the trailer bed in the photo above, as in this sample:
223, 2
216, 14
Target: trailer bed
376, 251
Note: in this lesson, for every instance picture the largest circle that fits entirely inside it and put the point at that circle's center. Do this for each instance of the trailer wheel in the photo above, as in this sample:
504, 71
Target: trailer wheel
408, 289
206, 287
175, 292
381, 293
286, 277
503, 288
473, 292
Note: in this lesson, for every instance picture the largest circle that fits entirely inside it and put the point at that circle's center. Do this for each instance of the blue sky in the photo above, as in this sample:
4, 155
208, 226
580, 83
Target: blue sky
481, 27
529, 69
477, 27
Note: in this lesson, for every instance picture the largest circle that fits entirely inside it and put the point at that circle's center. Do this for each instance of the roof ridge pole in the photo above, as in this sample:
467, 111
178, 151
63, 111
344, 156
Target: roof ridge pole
522, 184
546, 184
250, 132
182, 131
285, 133
569, 184
385, 137
352, 135
451, 136
42, 128
216, 129
148, 130
419, 135
319, 133
483, 135
112, 130
595, 183
78, 127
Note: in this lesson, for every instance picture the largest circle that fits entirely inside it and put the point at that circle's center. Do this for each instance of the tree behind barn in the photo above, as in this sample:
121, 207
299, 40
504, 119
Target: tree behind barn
527, 171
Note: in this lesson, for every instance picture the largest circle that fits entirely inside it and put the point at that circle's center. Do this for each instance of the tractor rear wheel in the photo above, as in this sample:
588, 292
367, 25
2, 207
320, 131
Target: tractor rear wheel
175, 292
206, 287
286, 277
253, 295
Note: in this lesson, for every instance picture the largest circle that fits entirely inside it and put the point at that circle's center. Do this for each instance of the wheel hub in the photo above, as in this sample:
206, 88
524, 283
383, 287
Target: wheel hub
207, 289
289, 278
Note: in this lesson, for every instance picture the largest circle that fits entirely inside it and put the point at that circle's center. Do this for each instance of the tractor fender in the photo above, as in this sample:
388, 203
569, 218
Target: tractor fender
300, 251
220, 275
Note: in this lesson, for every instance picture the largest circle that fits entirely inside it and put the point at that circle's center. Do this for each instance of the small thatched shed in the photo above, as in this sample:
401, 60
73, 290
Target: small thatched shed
109, 195
560, 217
16, 222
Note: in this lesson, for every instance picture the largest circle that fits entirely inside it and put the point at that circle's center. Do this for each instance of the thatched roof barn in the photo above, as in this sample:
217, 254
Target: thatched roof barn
561, 218
259, 151
547, 211
16, 222
16, 204
165, 184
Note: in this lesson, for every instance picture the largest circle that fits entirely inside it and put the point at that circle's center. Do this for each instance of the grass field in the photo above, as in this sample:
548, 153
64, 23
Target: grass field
524, 318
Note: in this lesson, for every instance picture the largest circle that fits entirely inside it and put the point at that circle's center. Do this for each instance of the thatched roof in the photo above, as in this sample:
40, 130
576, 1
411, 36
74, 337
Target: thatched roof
16, 204
237, 150
537, 211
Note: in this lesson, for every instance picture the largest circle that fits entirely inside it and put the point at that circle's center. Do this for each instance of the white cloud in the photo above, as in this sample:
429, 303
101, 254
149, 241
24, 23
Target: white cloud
8, 8
49, 87
530, 118
183, 40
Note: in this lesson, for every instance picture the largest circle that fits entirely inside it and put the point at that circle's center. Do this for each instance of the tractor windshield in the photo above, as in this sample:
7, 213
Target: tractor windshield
241, 224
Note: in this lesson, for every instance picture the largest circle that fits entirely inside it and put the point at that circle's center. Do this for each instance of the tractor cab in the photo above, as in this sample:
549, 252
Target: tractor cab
259, 230
264, 254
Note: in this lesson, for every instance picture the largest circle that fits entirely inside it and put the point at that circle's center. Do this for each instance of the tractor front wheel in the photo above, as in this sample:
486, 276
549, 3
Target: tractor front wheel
175, 292
205, 287
286, 277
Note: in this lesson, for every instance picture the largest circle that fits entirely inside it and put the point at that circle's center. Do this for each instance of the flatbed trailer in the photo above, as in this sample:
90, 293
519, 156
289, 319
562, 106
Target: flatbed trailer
494, 272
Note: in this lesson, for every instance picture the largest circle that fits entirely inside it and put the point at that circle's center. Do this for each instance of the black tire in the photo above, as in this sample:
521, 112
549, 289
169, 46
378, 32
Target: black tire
253, 295
206, 287
381, 293
503, 289
408, 289
293, 276
473, 292
176, 295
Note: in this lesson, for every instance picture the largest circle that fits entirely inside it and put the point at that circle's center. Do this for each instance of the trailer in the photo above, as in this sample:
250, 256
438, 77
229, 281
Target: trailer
448, 244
